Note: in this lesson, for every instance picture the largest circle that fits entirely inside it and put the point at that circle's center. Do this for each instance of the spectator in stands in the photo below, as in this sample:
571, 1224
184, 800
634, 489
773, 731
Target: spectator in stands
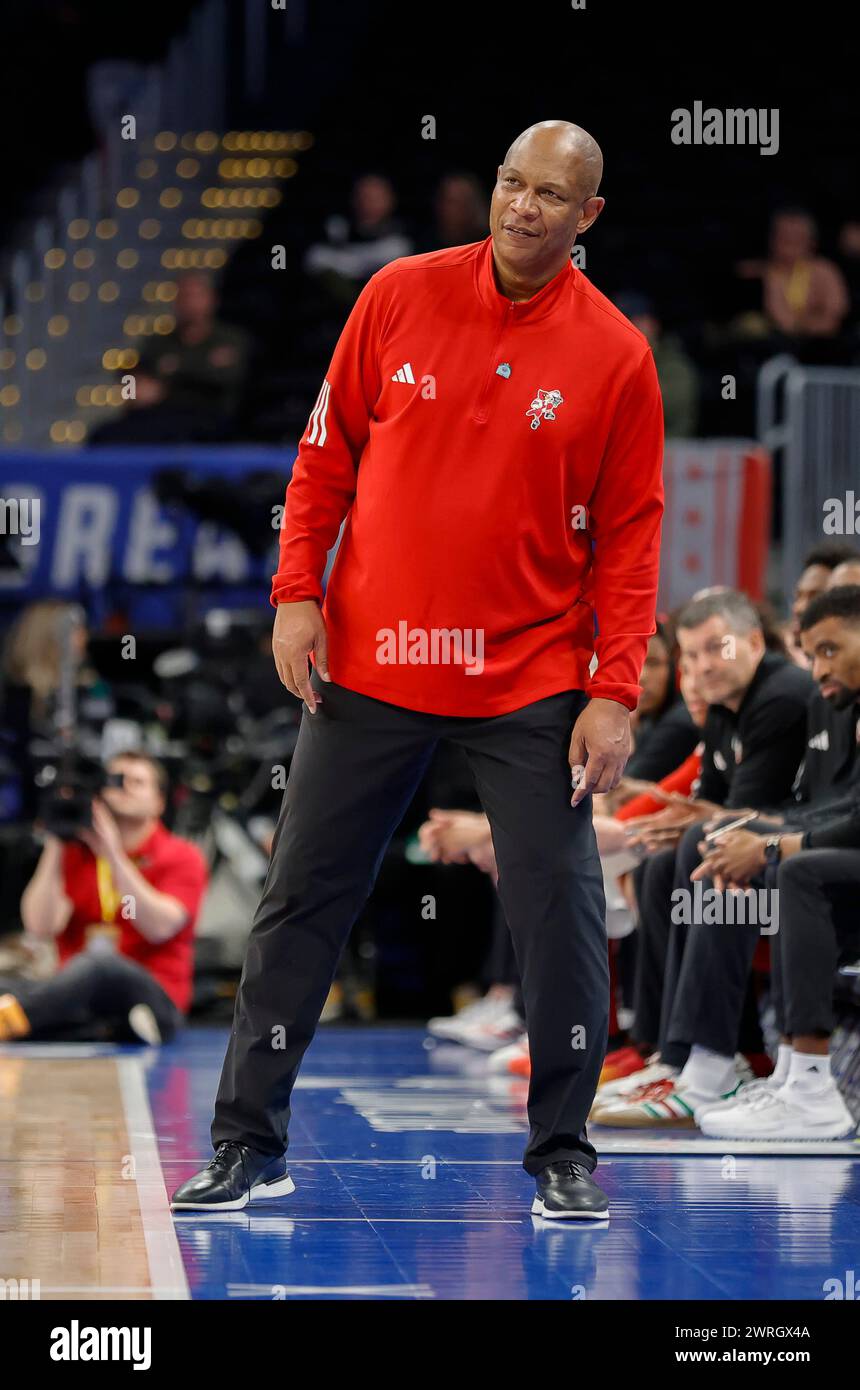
803, 294
651, 796
811, 868
459, 213
121, 902
32, 662
33, 651
677, 373
355, 247
754, 739
848, 258
818, 568
663, 732
187, 383
845, 573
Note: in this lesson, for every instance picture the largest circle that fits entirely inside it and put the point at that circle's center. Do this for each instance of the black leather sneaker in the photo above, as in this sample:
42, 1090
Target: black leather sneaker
236, 1176
566, 1190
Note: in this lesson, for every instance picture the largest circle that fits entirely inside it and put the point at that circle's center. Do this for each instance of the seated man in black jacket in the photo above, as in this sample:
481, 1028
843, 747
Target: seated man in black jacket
754, 738
809, 859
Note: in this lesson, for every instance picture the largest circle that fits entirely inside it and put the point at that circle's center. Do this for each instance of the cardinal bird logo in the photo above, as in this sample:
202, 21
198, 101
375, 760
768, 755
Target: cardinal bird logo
544, 406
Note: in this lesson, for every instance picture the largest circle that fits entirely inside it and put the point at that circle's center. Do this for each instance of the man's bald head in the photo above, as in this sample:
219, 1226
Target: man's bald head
545, 196
568, 144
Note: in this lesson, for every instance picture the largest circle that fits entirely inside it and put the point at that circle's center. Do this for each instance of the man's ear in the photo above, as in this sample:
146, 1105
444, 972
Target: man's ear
591, 210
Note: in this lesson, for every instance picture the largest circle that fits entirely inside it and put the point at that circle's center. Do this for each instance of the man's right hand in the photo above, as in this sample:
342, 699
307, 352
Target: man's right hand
299, 630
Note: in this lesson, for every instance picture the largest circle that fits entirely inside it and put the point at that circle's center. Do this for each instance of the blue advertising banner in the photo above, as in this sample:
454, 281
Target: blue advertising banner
88, 526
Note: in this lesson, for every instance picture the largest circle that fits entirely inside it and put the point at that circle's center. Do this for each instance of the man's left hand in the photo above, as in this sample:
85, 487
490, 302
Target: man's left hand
599, 748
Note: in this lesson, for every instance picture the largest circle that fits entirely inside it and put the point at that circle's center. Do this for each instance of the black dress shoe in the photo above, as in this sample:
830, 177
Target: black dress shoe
236, 1176
566, 1190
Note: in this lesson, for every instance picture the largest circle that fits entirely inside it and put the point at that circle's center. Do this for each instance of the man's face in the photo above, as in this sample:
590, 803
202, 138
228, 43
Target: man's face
372, 199
811, 583
697, 708
195, 300
456, 204
833, 648
537, 209
719, 661
791, 239
139, 797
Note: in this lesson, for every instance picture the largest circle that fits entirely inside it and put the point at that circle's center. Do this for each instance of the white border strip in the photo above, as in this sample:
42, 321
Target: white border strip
674, 1144
166, 1270
333, 1290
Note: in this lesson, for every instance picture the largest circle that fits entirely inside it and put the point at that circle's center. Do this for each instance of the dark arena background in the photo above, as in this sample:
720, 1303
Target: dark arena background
194, 196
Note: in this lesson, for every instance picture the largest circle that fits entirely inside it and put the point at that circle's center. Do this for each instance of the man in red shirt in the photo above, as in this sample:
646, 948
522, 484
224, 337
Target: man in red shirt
490, 429
121, 902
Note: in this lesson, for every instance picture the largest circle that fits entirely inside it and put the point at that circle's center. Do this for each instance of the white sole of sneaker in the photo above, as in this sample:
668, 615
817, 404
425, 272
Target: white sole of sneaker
485, 1044
824, 1134
622, 1121
144, 1025
262, 1193
538, 1209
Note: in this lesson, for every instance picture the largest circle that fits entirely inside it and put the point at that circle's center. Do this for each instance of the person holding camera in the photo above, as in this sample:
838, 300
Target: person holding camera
121, 900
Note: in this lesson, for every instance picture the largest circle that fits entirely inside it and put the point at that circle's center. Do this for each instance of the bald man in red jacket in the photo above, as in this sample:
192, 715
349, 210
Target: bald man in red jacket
490, 430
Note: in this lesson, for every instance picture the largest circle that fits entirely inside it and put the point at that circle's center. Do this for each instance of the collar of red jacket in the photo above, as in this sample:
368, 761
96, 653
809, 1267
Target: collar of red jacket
554, 292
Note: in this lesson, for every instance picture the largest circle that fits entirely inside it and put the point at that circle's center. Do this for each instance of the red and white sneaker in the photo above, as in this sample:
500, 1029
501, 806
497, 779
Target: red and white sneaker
638, 1081
623, 1062
665, 1104
487, 1025
452, 1027
648, 1107
489, 1034
513, 1060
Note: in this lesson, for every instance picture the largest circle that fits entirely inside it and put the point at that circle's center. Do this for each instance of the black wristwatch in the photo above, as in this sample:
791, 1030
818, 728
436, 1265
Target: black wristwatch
773, 849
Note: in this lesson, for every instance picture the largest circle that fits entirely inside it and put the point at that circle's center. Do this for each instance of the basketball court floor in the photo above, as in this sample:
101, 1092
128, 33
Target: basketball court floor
406, 1159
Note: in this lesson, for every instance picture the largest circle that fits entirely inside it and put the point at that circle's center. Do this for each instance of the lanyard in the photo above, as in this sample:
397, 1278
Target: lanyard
797, 289
109, 898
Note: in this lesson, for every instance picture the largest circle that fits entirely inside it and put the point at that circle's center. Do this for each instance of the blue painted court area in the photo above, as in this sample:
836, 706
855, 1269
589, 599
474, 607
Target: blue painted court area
406, 1161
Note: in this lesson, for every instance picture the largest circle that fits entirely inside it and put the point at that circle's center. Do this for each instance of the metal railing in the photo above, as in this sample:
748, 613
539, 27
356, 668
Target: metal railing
809, 418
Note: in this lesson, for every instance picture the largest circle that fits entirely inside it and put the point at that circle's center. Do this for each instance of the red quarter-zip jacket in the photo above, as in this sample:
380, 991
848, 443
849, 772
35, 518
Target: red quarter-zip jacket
499, 466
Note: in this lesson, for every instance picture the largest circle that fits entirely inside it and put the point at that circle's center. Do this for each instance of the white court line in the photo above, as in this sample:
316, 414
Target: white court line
166, 1269
53, 1052
106, 1288
674, 1145
314, 1290
298, 1218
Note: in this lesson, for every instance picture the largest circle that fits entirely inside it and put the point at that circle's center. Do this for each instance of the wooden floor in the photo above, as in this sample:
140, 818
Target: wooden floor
74, 1180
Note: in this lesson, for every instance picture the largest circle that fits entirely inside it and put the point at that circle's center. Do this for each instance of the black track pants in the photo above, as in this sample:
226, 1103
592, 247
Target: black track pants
357, 765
